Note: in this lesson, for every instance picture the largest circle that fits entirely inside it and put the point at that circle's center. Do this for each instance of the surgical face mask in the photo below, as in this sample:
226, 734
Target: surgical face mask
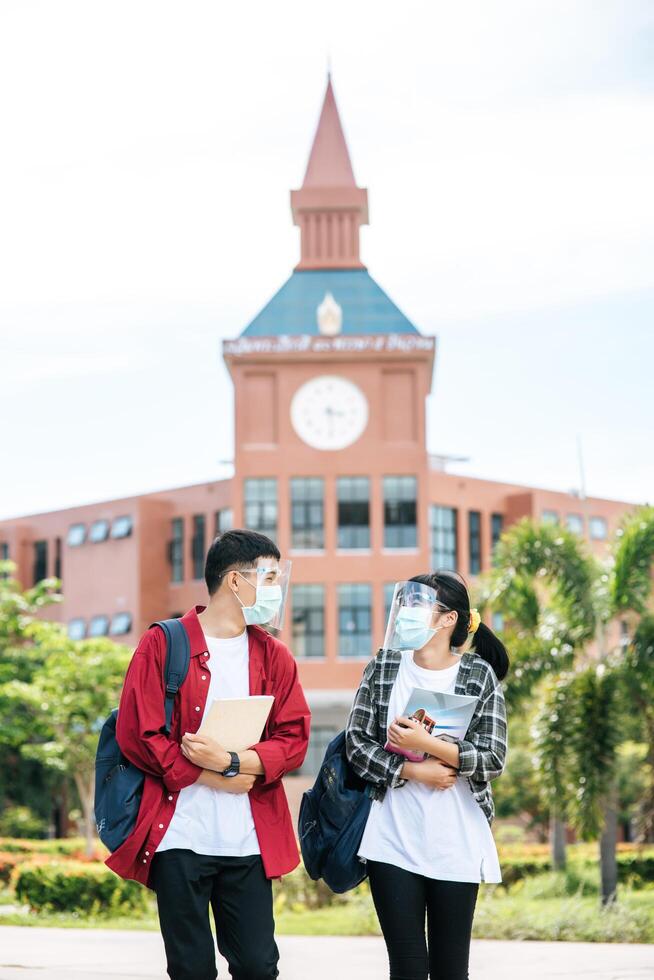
412, 629
266, 604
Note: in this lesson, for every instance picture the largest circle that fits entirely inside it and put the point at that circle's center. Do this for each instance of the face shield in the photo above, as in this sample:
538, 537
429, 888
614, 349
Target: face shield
411, 619
264, 603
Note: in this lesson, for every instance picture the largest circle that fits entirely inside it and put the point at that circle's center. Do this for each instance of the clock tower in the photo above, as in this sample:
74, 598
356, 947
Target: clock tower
330, 381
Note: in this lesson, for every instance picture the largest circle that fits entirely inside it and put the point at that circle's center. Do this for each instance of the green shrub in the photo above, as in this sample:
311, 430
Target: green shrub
635, 867
21, 821
297, 892
84, 889
64, 846
8, 862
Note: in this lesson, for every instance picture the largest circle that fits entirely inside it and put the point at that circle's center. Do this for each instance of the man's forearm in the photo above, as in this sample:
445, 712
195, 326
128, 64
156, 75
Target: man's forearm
251, 763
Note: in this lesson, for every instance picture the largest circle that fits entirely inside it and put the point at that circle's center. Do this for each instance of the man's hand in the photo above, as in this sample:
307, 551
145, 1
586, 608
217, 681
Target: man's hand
433, 773
242, 783
205, 752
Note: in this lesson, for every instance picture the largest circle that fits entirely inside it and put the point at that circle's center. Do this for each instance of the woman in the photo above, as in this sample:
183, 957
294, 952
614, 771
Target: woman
427, 841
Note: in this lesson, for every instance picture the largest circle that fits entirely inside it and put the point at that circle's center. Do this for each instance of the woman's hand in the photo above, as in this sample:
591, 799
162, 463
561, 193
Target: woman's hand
410, 735
432, 773
205, 752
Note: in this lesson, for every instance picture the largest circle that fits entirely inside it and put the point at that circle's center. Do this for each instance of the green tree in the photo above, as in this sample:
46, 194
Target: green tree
582, 722
22, 781
630, 594
542, 583
63, 706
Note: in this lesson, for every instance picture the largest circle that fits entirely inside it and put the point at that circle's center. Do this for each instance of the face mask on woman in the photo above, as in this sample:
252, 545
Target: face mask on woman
412, 629
266, 604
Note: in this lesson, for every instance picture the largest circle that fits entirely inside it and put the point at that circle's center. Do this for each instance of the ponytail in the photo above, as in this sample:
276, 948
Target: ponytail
491, 649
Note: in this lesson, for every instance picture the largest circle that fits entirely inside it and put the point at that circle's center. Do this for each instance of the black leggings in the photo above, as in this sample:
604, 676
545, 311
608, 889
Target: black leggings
402, 900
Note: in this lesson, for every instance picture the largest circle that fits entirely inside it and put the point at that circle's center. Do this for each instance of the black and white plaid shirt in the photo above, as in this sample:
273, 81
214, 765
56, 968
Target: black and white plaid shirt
482, 753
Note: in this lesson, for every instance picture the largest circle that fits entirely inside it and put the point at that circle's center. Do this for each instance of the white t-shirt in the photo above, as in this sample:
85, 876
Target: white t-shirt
436, 833
206, 820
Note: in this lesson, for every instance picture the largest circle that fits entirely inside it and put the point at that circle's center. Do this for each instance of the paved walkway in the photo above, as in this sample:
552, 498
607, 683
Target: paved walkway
101, 954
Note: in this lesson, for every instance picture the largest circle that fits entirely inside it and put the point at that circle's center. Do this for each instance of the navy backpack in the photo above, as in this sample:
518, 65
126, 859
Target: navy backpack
333, 816
118, 782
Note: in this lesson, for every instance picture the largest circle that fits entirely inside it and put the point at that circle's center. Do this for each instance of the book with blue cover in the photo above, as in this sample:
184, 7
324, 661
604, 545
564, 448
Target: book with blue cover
442, 715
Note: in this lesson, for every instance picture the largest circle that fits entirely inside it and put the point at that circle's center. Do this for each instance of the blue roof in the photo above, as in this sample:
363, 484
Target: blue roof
366, 307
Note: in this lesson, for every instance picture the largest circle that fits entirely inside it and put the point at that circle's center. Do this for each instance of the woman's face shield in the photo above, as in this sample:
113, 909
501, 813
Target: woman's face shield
412, 616
264, 604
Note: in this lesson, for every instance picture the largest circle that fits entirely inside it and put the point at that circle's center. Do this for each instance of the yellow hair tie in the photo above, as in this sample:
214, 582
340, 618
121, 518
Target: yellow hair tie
475, 620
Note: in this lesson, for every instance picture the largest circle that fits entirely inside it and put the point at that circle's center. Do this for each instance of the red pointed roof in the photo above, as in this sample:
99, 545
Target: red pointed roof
329, 161
329, 207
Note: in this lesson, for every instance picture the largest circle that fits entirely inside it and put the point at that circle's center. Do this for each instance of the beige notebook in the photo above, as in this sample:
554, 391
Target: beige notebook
237, 723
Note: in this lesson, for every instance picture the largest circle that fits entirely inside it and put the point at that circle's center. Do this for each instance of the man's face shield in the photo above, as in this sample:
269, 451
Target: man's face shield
263, 591
413, 615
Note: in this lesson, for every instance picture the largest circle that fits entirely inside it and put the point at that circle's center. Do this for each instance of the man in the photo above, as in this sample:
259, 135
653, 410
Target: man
214, 828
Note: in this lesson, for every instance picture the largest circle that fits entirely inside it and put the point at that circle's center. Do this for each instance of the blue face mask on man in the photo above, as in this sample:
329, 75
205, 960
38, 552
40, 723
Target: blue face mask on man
266, 604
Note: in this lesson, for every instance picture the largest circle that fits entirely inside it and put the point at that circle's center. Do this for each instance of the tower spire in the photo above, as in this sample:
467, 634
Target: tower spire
329, 207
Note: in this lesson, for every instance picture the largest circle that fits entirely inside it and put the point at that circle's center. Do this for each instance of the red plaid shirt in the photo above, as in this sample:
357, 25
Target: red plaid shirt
272, 670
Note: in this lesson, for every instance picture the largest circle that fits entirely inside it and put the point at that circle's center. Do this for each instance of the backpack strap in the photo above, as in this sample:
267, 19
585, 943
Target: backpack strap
178, 658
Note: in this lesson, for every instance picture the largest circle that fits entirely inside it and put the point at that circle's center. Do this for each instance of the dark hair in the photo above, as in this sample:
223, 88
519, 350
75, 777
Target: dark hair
453, 593
235, 549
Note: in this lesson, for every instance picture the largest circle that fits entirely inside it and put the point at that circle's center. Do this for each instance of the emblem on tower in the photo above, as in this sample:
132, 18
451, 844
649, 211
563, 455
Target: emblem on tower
329, 316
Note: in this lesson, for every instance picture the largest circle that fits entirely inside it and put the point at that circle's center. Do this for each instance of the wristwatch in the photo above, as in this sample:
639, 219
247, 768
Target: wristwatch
234, 768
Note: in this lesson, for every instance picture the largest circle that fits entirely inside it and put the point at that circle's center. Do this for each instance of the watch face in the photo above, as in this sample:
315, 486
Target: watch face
329, 412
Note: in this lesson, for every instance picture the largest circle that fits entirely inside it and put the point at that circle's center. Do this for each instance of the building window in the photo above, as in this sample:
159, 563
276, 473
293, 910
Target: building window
57, 560
354, 620
122, 527
198, 545
549, 517
497, 526
598, 528
4, 556
224, 520
176, 550
261, 505
77, 629
308, 620
474, 541
121, 623
99, 626
353, 494
443, 534
400, 527
575, 523
319, 739
76, 535
40, 567
99, 531
307, 506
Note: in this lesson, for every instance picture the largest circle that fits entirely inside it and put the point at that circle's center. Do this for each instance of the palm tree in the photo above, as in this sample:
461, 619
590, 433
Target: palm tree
579, 726
542, 583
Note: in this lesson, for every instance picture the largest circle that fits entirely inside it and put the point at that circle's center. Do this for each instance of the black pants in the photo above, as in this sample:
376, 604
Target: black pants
403, 900
240, 896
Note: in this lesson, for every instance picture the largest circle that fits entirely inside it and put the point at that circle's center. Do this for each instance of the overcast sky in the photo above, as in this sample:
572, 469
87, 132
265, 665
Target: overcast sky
147, 151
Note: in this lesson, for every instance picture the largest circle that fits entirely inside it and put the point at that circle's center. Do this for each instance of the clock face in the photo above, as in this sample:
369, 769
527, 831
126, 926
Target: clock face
329, 412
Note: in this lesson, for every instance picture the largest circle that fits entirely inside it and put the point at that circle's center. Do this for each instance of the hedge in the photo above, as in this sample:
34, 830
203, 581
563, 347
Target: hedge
634, 866
47, 881
65, 846
85, 889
